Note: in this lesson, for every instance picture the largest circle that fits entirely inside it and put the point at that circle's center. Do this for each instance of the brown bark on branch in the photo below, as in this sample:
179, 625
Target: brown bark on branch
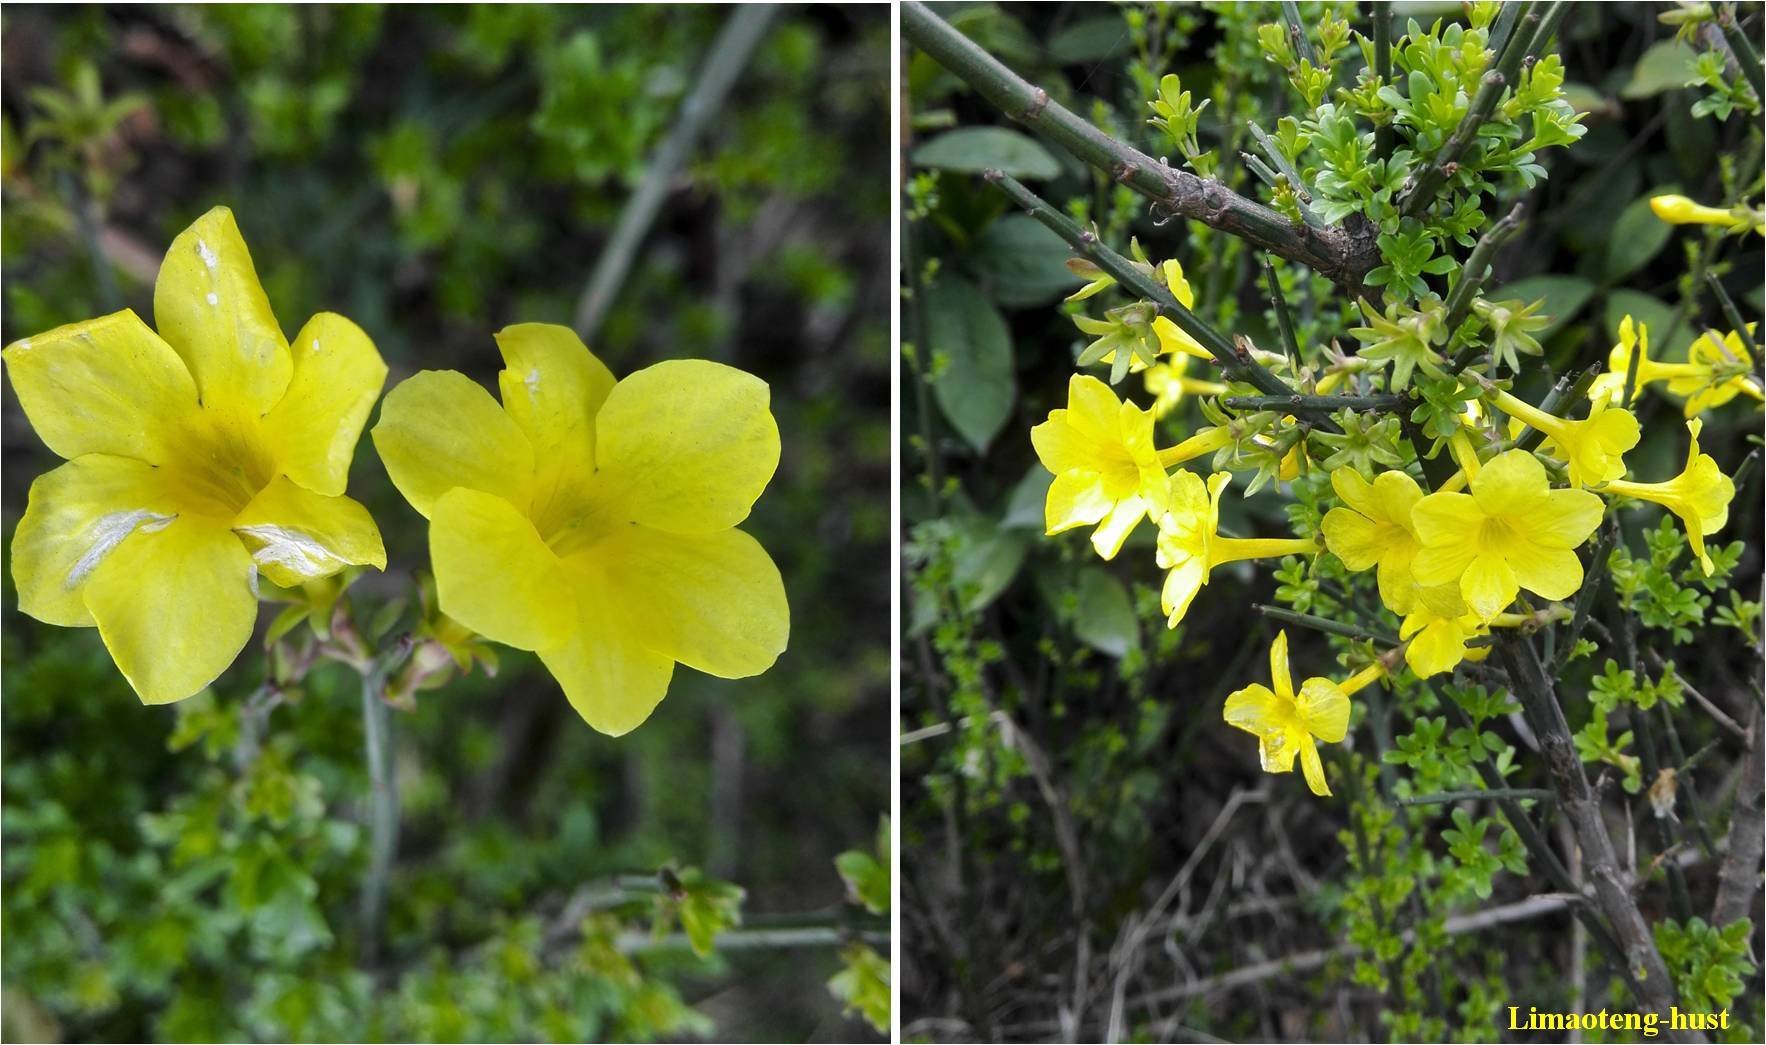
1342, 254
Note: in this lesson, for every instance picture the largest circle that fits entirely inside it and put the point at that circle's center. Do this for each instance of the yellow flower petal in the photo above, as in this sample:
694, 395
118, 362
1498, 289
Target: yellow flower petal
1511, 484
495, 575
75, 517
439, 429
1324, 709
1436, 647
295, 535
1255, 709
1279, 676
174, 607
1276, 749
1180, 588
611, 679
105, 386
1445, 518
1314, 768
1396, 580
1353, 538
209, 306
1488, 586
552, 387
1127, 513
686, 446
1550, 573
714, 602
1075, 499
313, 430
1093, 409
1564, 520
1442, 564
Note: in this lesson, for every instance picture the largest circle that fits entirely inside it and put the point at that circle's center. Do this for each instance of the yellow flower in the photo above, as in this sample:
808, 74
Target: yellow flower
1717, 370
1699, 495
1375, 529
1169, 385
1633, 337
1189, 546
1172, 339
1287, 724
1678, 210
197, 458
1437, 628
1512, 531
595, 522
1593, 447
1106, 467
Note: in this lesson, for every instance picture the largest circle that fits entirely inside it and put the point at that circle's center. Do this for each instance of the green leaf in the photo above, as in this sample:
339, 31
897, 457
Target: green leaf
1665, 66
1090, 40
987, 560
1106, 620
1024, 507
975, 149
1565, 297
1637, 237
866, 880
973, 352
1022, 263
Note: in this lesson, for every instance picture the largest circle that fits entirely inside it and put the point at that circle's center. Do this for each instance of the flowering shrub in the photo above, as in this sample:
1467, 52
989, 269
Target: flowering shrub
1387, 429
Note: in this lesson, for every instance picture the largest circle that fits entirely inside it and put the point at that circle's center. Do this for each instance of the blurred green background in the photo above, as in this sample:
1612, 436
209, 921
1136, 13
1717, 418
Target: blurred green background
436, 173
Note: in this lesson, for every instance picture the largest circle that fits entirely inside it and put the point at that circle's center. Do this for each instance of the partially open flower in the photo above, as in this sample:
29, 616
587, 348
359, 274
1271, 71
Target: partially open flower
1594, 447
1437, 629
595, 522
197, 458
1190, 545
1289, 724
1512, 531
1699, 495
1169, 383
1717, 370
1107, 470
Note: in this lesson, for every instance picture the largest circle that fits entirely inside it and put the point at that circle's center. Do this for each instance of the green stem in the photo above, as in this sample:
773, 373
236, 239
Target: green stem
383, 811
1325, 624
1539, 794
727, 57
1746, 55
1473, 273
1428, 181
1297, 402
1732, 315
1335, 253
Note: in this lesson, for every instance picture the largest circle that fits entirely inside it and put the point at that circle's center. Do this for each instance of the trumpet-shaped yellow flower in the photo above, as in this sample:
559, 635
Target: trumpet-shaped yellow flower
1289, 724
1594, 447
1106, 468
1679, 210
1633, 339
197, 458
593, 521
1437, 628
1190, 547
1717, 370
1374, 529
1699, 495
1512, 531
1169, 384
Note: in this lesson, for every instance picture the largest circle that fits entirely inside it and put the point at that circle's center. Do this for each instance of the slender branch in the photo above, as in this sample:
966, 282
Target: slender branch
1384, 402
751, 939
1739, 876
1746, 54
1612, 892
1426, 183
1324, 624
1441, 797
1343, 256
1732, 315
383, 811
1476, 270
1234, 357
1283, 321
729, 54
1381, 15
